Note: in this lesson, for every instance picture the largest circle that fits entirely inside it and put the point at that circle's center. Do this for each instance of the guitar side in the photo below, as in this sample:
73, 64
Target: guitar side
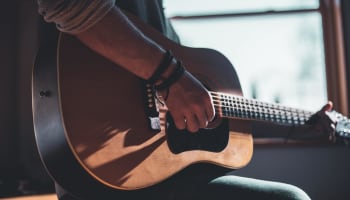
90, 122
103, 114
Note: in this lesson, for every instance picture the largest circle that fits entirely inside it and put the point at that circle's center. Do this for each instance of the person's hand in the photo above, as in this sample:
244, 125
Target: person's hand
189, 103
322, 125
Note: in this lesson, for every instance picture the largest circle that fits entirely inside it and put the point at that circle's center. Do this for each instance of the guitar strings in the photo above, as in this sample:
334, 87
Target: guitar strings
233, 105
251, 104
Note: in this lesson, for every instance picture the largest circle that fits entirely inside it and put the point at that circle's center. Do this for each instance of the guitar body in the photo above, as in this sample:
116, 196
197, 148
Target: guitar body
92, 130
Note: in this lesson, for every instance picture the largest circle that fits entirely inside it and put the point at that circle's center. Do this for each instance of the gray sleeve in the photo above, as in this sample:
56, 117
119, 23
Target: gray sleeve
74, 16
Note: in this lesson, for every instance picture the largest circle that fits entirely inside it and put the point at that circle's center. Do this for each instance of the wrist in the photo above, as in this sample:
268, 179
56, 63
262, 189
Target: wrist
172, 77
167, 73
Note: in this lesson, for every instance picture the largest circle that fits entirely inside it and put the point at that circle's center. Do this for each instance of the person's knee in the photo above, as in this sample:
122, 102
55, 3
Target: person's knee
251, 189
291, 192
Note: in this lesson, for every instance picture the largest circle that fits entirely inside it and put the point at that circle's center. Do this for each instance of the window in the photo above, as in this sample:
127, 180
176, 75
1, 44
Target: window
280, 48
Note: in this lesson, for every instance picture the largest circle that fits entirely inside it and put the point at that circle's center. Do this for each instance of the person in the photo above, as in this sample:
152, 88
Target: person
104, 27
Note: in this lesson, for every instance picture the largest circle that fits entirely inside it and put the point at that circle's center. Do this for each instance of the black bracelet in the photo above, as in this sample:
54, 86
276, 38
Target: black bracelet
164, 64
173, 77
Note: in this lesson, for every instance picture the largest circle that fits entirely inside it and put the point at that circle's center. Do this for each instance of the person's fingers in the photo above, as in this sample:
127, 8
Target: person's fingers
192, 123
328, 106
209, 109
202, 118
179, 121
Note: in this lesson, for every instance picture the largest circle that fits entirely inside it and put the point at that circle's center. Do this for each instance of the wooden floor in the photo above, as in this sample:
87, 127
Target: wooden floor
34, 197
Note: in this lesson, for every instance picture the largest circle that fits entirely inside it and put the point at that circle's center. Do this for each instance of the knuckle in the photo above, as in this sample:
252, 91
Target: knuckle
193, 129
192, 125
180, 125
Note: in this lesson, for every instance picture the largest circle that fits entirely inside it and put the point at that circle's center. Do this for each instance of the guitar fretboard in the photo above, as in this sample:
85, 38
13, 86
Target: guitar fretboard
232, 106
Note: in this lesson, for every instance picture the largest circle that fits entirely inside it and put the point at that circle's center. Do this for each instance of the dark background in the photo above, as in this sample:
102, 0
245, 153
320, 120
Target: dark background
322, 171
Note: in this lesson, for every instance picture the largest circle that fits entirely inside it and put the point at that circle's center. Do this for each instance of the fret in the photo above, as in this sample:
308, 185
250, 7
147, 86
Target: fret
232, 106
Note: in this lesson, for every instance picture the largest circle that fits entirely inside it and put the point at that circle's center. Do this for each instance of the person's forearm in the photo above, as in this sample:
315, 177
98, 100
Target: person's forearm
115, 38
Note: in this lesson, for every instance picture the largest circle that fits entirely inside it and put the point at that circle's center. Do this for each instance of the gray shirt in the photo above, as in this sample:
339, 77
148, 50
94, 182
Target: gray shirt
74, 16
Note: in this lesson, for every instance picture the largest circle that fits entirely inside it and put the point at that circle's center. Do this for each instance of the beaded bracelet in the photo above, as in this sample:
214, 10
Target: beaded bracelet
173, 77
164, 64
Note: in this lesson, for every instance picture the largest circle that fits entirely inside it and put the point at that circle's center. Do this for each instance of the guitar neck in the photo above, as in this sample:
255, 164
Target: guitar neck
232, 106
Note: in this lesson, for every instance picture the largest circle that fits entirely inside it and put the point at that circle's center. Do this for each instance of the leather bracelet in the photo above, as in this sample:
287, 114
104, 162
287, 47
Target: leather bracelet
164, 64
173, 77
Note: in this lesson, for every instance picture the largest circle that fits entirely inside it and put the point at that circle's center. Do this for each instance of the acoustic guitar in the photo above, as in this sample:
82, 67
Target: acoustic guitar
98, 125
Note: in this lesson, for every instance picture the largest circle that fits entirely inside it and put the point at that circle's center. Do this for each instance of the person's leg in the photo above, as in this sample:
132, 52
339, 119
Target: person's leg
234, 187
187, 186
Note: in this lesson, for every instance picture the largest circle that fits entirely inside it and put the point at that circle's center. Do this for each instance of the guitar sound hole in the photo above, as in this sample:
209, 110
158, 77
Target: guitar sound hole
213, 140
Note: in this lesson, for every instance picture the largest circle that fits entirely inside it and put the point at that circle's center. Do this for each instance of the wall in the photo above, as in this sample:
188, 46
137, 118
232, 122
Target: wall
19, 161
8, 86
322, 171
